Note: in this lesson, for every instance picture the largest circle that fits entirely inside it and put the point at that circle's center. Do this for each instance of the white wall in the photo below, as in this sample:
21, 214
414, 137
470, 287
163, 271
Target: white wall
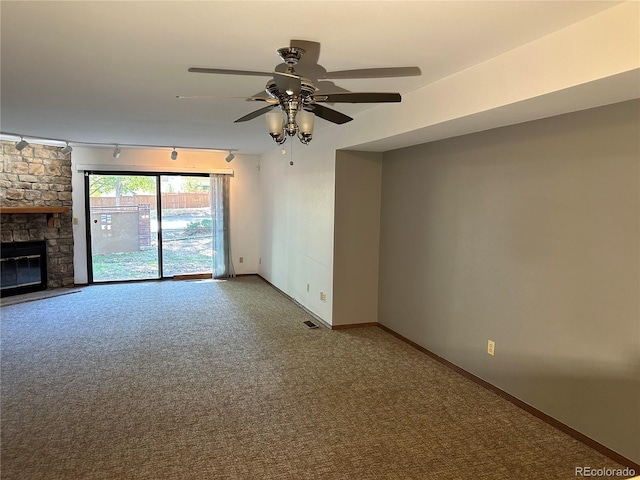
297, 223
244, 195
305, 208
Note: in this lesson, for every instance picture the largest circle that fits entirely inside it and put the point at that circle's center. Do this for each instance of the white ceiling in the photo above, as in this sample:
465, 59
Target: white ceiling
109, 72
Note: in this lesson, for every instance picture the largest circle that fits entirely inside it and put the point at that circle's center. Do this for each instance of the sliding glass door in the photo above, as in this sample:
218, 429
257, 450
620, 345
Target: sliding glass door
146, 227
186, 225
124, 233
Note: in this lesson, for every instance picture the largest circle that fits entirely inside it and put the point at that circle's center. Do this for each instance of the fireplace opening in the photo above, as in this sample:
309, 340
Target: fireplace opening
23, 267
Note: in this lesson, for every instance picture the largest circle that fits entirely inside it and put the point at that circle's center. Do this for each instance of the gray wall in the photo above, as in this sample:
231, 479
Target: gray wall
356, 233
527, 235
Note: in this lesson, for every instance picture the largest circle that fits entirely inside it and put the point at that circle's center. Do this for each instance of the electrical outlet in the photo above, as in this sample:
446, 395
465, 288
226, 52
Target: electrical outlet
241, 259
491, 348
323, 296
260, 261
307, 287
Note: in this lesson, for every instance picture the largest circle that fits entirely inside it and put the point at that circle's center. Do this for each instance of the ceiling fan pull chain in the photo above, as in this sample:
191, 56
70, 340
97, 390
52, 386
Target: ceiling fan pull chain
291, 153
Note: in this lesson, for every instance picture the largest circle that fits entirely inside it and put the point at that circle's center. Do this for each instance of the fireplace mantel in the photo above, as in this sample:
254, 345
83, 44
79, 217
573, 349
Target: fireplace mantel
50, 212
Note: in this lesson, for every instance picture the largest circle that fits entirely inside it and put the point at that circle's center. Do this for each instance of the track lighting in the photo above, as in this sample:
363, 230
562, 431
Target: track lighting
22, 144
66, 150
55, 142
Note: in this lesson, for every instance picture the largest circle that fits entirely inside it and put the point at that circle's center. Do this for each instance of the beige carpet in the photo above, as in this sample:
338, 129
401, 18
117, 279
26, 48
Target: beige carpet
33, 296
222, 380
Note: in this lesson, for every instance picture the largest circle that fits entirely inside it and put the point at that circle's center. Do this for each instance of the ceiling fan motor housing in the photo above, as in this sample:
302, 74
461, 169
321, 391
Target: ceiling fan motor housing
307, 89
290, 55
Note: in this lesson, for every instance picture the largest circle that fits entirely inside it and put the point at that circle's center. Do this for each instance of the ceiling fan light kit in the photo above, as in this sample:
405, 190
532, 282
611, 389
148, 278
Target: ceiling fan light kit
298, 123
299, 99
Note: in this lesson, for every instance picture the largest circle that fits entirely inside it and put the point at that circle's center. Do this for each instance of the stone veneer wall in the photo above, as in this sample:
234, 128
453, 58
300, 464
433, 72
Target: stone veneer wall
39, 176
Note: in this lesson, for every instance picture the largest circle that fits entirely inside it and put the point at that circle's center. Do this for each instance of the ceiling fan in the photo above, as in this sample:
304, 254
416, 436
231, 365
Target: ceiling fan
298, 97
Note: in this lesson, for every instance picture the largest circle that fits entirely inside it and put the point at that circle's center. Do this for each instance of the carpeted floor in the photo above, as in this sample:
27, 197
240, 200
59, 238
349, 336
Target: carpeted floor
222, 380
33, 296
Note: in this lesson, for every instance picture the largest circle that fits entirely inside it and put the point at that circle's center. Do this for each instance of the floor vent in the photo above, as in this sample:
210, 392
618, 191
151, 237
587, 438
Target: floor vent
310, 324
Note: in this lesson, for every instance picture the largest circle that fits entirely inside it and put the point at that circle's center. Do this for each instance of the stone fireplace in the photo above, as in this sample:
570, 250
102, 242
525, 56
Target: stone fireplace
38, 179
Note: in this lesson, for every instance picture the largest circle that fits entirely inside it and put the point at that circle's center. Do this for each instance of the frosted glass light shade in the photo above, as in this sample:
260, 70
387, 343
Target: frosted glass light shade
275, 120
305, 121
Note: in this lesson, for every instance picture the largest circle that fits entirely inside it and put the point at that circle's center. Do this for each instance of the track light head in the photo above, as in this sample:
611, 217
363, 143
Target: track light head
22, 144
174, 154
230, 157
116, 152
67, 149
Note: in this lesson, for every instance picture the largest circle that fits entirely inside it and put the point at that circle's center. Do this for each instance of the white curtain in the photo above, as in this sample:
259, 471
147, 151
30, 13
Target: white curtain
222, 264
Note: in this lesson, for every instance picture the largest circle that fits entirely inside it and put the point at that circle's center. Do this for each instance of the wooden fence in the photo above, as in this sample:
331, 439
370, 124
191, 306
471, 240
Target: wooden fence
169, 200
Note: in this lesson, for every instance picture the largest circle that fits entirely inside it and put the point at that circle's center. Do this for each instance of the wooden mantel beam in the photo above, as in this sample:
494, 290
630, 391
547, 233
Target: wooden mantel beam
50, 212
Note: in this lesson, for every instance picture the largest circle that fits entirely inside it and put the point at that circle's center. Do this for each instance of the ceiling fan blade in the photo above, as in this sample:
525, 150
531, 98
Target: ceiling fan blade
328, 114
287, 82
358, 97
210, 97
375, 73
311, 50
224, 71
255, 114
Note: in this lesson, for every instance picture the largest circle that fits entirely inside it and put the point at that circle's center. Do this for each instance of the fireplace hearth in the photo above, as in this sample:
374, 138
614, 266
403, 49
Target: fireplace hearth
23, 267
